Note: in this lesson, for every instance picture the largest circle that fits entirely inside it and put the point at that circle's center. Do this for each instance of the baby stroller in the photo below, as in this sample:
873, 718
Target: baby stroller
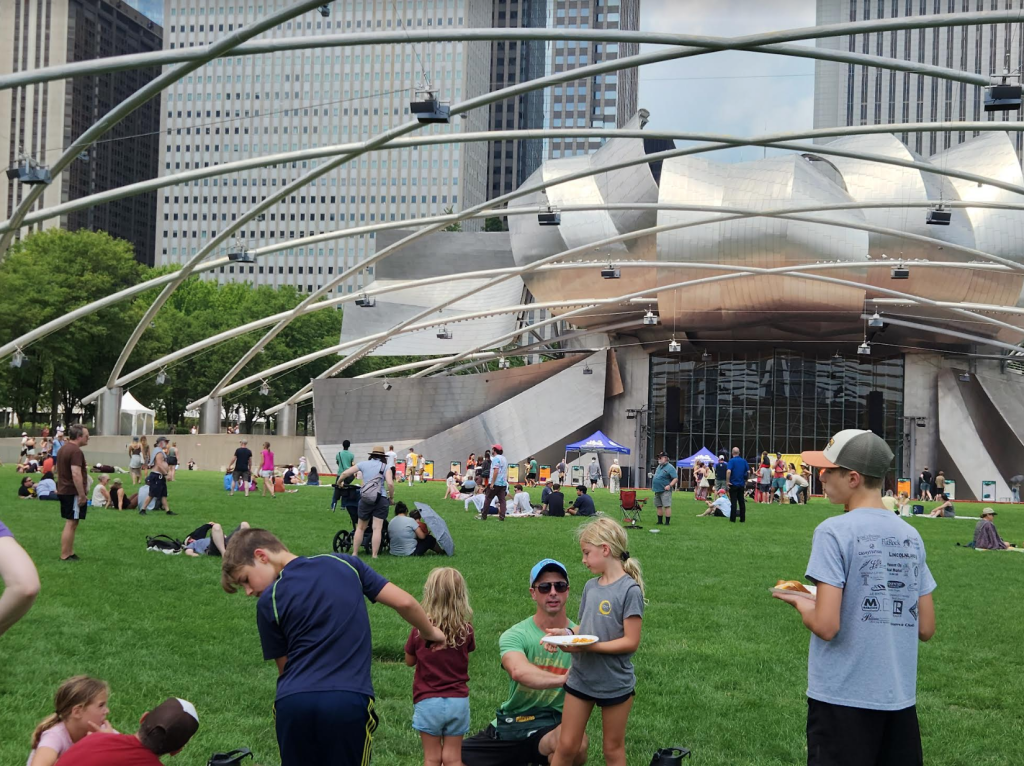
343, 540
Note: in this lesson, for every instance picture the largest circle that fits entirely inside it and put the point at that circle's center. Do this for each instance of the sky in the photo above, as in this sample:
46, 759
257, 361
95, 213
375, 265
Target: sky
731, 92
152, 9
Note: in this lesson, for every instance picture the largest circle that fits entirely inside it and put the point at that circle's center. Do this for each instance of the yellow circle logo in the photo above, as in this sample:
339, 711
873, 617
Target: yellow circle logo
605, 607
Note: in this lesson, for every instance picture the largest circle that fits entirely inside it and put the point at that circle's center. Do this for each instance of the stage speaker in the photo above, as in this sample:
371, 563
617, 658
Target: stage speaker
672, 396
876, 412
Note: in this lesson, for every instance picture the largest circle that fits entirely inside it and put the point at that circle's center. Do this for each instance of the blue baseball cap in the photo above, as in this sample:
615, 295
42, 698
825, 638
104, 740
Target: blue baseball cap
540, 566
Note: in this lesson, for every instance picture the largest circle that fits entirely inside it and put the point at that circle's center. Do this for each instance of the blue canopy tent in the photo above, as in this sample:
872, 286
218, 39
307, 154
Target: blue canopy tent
597, 442
704, 455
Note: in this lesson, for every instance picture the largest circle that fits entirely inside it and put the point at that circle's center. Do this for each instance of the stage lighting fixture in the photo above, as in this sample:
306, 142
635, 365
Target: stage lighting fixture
365, 301
965, 377
324, 10
161, 377
587, 370
938, 216
650, 318
551, 218
705, 356
630, 414
429, 111
264, 389
674, 346
444, 334
610, 273
1002, 97
387, 386
900, 272
837, 358
17, 358
864, 349
503, 363
876, 320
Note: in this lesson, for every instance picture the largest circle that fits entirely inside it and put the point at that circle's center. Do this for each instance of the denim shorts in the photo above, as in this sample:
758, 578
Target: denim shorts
442, 716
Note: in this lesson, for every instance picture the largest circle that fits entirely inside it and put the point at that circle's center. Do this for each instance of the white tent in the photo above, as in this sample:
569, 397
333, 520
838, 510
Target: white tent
135, 418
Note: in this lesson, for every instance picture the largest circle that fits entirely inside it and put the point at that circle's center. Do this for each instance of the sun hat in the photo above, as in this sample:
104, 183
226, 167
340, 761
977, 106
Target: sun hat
862, 451
377, 450
987, 512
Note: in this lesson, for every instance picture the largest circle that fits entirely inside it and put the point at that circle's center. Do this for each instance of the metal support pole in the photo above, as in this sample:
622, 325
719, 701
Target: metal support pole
288, 420
108, 412
210, 416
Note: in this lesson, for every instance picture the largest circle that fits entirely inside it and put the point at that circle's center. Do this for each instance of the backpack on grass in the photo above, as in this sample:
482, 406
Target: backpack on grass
164, 544
233, 758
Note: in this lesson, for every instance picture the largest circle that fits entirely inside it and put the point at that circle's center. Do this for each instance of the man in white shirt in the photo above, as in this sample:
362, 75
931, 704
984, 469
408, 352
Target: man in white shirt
521, 501
721, 506
796, 484
392, 460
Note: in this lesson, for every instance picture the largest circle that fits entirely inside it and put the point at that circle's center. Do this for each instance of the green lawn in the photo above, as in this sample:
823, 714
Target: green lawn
721, 667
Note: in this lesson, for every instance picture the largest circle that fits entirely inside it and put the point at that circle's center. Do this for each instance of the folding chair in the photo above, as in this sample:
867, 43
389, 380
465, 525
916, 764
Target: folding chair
631, 507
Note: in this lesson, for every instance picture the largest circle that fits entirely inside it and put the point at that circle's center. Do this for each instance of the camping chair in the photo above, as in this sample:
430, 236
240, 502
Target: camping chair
631, 507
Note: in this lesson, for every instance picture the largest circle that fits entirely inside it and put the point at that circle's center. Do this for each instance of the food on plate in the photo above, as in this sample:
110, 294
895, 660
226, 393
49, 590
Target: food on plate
792, 585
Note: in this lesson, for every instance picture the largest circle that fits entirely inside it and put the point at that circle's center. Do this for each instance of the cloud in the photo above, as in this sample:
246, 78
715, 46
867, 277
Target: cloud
729, 92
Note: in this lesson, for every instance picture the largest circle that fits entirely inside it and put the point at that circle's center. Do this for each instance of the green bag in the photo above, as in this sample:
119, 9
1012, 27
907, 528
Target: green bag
514, 727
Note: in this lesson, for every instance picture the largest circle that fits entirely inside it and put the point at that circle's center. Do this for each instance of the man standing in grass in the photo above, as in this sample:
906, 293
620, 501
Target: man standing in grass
736, 474
665, 480
873, 605
240, 466
528, 724
72, 486
345, 458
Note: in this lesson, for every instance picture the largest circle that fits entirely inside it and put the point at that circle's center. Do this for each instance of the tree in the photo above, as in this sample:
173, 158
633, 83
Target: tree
457, 226
44, 276
495, 224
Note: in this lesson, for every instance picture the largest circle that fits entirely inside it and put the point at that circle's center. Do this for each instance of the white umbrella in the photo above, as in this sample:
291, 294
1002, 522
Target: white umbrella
438, 528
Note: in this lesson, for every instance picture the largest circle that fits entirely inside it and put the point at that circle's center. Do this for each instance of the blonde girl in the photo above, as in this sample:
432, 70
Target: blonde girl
146, 457
611, 608
440, 687
80, 708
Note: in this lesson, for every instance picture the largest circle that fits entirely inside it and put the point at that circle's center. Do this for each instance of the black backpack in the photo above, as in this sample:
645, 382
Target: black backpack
164, 544
233, 758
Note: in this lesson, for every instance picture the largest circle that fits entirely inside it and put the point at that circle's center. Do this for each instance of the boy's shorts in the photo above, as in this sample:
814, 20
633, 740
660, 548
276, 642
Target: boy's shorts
325, 728
848, 736
442, 716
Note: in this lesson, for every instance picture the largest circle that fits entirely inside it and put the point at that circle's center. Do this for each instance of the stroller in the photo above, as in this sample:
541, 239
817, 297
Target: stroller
349, 498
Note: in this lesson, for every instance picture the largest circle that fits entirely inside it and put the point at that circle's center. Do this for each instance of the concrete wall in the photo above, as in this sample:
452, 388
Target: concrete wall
210, 451
634, 367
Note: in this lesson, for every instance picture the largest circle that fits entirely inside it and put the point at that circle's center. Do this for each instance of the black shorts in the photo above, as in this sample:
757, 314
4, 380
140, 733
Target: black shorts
601, 701
70, 509
325, 727
172, 460
157, 486
378, 510
531, 476
765, 487
485, 749
850, 736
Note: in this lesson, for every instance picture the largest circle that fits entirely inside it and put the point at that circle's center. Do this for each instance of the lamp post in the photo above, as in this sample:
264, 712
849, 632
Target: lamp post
910, 425
639, 418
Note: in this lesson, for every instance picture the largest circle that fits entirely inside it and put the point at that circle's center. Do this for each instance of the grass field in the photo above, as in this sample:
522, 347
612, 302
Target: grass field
721, 666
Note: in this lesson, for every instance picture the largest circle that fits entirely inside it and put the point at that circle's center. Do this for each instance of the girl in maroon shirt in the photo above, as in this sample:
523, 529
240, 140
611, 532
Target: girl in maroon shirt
440, 687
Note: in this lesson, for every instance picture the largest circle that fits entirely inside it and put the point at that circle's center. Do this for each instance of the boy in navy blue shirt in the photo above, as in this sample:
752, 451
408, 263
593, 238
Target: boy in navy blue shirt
313, 623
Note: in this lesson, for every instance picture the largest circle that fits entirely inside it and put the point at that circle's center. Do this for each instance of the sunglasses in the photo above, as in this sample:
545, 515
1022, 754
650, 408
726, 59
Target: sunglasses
545, 587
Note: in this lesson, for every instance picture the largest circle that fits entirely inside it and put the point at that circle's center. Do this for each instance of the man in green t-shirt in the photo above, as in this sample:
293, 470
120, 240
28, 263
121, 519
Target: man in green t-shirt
345, 459
536, 678
531, 473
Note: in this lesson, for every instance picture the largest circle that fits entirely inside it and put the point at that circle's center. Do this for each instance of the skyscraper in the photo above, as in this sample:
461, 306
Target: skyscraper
845, 94
604, 101
41, 120
240, 107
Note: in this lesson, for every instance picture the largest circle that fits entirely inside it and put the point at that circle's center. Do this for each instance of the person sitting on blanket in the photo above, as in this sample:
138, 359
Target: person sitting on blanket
198, 544
986, 538
944, 511
721, 506
521, 501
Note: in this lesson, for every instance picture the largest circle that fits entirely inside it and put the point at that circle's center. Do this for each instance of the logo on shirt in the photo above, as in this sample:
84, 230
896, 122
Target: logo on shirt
871, 565
892, 542
913, 610
897, 607
877, 587
871, 604
605, 607
896, 584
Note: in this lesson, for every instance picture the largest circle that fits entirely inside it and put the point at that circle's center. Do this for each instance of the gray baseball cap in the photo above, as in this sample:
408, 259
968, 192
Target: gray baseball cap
862, 451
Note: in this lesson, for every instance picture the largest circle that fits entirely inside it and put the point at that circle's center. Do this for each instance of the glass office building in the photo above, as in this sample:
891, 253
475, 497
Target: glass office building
780, 401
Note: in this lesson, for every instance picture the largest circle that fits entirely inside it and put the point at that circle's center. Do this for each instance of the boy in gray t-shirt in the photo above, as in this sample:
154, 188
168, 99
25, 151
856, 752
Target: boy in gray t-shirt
873, 605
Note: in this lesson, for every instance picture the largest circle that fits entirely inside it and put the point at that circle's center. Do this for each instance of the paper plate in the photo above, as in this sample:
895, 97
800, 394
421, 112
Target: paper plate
812, 595
569, 640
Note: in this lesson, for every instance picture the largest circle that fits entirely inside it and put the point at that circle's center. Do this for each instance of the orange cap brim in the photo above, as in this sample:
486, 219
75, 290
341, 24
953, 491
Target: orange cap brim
817, 460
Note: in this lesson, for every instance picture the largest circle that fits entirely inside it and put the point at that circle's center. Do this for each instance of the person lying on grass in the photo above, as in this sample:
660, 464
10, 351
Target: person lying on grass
312, 621
198, 544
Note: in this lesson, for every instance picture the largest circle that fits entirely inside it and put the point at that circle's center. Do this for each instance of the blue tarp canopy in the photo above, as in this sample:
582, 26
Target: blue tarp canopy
597, 442
704, 455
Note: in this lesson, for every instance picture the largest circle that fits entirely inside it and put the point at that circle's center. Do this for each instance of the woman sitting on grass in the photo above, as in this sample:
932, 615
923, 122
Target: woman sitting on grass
313, 478
80, 709
944, 511
46, 489
118, 497
100, 494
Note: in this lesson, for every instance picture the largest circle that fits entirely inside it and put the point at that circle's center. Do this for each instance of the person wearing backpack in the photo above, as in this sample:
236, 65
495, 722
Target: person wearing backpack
375, 497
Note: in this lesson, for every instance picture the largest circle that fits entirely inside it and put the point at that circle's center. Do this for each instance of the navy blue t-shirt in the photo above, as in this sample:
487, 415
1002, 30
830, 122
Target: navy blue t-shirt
740, 469
720, 469
314, 614
584, 505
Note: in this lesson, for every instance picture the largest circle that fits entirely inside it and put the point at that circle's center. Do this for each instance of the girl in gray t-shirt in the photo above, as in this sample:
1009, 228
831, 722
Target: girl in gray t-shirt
612, 609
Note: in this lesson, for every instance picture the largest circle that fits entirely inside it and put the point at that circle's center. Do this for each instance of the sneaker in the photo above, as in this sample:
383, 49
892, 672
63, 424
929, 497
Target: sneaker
72, 557
142, 512
171, 513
